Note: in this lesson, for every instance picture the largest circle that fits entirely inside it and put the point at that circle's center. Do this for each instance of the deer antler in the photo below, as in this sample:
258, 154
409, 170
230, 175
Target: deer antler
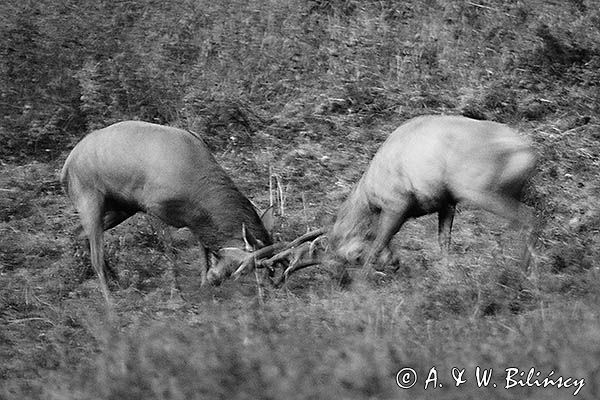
278, 252
293, 268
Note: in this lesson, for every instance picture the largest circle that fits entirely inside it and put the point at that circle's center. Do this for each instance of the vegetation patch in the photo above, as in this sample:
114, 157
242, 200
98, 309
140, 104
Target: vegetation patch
297, 97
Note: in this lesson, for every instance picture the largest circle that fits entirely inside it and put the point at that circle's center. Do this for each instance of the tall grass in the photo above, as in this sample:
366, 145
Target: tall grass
232, 68
336, 345
307, 90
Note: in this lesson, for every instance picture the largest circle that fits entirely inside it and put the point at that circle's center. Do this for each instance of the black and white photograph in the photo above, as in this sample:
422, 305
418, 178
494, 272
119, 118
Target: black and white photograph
299, 199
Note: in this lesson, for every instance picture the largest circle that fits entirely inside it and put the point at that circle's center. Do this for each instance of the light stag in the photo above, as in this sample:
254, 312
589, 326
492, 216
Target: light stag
428, 165
168, 173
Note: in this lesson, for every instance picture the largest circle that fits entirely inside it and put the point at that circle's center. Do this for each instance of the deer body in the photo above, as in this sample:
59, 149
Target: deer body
169, 173
428, 165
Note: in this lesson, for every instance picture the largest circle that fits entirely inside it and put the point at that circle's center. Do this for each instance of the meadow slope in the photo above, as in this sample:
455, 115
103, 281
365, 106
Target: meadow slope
302, 92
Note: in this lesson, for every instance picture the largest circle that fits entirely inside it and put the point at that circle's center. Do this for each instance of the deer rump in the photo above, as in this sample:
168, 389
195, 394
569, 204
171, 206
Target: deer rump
169, 173
428, 165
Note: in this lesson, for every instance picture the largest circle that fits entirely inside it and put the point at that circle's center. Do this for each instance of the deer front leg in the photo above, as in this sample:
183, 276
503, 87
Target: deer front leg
390, 222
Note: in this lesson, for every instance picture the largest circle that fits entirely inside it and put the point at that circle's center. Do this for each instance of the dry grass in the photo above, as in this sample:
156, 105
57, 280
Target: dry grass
310, 339
320, 87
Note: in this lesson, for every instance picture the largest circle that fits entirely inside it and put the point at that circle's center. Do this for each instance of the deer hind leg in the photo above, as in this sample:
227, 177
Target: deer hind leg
513, 210
90, 209
390, 222
110, 219
445, 219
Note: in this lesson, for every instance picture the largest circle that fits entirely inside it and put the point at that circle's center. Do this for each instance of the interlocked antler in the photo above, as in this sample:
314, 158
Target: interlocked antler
269, 256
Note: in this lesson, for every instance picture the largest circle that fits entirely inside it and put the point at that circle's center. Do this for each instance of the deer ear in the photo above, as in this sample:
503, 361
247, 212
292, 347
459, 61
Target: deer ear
251, 242
268, 220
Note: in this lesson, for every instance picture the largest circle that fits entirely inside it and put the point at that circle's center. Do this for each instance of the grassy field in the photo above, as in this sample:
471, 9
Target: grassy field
315, 126
310, 339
